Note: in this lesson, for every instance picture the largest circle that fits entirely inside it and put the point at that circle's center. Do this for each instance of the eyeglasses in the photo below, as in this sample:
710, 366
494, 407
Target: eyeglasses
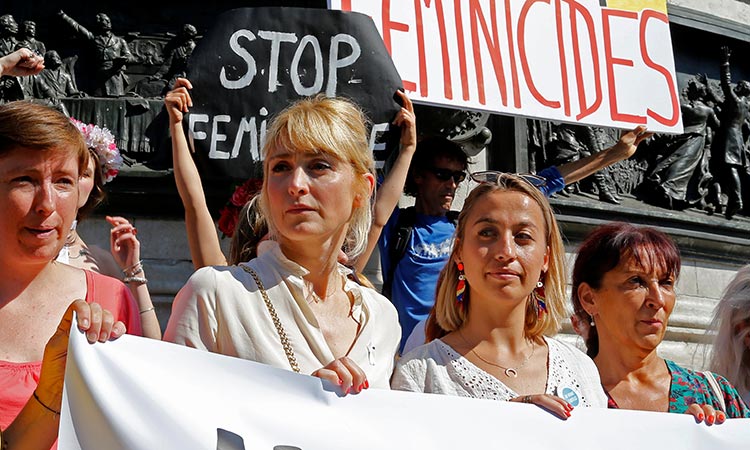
446, 174
494, 177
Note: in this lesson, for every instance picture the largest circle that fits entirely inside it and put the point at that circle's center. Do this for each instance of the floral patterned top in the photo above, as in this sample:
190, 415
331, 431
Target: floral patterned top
690, 387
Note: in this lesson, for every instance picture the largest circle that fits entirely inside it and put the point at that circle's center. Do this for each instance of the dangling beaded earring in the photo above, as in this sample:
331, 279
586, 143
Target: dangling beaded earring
461, 286
539, 298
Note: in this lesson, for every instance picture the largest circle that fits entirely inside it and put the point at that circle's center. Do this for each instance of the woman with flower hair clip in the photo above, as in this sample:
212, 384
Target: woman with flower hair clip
499, 297
123, 260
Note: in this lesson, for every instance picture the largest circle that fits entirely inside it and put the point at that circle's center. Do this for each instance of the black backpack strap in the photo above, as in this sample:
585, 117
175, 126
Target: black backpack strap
400, 241
397, 245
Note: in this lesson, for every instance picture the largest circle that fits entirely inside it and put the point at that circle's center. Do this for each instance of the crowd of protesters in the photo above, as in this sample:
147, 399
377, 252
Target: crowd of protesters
480, 291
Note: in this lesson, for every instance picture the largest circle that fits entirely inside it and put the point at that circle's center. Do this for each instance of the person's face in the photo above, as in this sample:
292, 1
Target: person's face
38, 200
632, 306
52, 60
311, 195
504, 247
436, 185
86, 183
29, 29
9, 25
102, 20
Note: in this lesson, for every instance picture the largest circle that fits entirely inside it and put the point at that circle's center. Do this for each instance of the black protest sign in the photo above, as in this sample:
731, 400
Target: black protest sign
256, 61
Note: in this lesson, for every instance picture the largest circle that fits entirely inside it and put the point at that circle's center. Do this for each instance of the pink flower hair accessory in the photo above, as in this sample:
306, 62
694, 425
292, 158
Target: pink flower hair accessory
102, 142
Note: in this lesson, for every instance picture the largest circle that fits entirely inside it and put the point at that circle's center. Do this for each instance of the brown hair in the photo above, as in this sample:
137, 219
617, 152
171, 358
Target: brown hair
38, 127
606, 247
448, 316
97, 195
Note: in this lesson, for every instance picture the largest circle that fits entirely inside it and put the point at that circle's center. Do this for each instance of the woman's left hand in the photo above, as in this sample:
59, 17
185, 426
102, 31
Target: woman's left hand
126, 249
551, 403
345, 373
99, 325
706, 413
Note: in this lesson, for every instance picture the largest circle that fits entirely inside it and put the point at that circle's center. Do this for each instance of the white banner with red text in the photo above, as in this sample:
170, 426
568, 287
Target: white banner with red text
136, 393
562, 60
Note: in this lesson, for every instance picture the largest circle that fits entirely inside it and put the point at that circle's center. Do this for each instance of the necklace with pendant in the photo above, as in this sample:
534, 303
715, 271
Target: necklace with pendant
510, 372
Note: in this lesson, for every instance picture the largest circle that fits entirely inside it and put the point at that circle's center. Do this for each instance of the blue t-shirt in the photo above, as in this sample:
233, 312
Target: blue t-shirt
428, 250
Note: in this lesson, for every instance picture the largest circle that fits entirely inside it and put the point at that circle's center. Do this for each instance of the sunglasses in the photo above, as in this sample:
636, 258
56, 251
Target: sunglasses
446, 174
494, 177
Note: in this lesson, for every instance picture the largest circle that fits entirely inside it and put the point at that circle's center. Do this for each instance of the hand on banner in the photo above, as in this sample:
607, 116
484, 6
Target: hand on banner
551, 403
177, 101
345, 373
707, 414
99, 325
408, 123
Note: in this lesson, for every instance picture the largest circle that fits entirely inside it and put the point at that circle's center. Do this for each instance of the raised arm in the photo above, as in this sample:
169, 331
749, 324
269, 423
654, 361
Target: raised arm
80, 29
126, 250
203, 239
390, 191
623, 149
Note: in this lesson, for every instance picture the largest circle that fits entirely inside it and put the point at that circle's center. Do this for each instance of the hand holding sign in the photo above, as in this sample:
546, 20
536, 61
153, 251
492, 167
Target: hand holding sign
178, 100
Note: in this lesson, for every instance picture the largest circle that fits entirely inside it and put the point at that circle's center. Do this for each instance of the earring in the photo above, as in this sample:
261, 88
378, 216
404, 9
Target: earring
539, 298
592, 324
461, 286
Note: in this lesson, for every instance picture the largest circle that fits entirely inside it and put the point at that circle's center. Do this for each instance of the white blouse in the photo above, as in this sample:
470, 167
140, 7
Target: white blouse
221, 310
437, 368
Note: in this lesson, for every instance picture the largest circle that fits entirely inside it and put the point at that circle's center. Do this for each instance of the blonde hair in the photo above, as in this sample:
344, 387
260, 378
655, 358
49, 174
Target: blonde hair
730, 357
450, 316
337, 127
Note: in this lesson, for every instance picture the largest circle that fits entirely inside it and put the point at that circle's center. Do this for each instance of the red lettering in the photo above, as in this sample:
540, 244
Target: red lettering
423, 82
647, 15
493, 45
610, 61
512, 55
423, 87
346, 5
389, 25
448, 84
524, 60
575, 7
563, 62
461, 49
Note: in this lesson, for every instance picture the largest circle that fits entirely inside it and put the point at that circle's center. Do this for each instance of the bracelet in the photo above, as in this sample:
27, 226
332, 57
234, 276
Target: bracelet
57, 413
139, 280
134, 269
135, 272
147, 310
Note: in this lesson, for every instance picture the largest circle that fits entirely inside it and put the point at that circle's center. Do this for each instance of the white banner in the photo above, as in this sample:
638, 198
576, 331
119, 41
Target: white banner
137, 393
563, 60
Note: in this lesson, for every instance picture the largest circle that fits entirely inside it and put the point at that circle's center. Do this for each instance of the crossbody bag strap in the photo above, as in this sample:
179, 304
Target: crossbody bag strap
276, 322
716, 389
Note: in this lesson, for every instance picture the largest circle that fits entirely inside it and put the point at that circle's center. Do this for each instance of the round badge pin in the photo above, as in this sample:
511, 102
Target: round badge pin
570, 396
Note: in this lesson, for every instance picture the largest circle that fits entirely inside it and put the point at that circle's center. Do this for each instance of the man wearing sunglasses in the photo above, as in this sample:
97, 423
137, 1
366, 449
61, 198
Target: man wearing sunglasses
415, 242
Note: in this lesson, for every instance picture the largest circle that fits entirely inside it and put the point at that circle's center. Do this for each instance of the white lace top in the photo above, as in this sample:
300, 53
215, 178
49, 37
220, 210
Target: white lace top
437, 368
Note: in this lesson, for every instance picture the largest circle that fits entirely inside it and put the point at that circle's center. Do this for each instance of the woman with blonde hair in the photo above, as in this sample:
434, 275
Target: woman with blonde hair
498, 299
731, 351
293, 306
